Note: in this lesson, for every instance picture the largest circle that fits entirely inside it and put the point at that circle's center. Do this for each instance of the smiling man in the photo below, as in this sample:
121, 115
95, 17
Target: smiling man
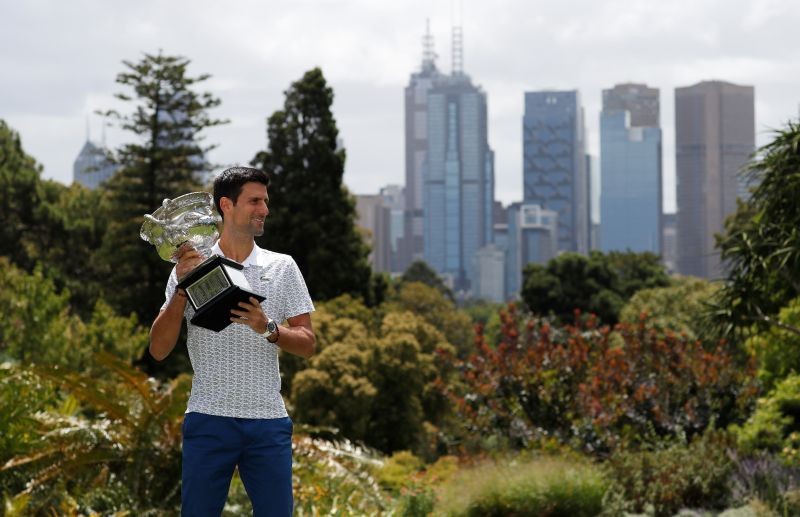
236, 416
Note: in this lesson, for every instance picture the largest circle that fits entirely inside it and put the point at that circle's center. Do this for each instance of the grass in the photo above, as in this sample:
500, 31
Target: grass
544, 486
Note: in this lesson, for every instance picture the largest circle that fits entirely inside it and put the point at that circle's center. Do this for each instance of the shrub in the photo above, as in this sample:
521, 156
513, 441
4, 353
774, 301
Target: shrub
594, 387
538, 486
681, 476
766, 478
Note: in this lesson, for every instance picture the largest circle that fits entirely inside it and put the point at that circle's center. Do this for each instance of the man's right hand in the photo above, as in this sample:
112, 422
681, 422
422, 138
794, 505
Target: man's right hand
188, 259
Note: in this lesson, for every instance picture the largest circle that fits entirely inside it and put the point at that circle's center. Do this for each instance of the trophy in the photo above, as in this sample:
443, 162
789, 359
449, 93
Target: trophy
218, 284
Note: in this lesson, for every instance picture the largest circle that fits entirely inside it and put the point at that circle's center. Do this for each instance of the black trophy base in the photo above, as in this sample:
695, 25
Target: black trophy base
214, 288
217, 315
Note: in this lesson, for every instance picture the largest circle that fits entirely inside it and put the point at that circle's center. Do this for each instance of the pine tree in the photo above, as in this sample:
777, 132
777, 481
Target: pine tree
312, 214
165, 160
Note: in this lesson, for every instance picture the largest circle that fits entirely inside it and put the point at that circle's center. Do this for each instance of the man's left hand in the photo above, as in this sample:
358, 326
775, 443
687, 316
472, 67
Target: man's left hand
250, 314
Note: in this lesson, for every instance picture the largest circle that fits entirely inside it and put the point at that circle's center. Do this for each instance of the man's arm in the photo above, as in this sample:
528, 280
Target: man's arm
167, 326
298, 338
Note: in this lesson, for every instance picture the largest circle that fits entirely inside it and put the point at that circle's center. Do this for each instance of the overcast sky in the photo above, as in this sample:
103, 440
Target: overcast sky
59, 61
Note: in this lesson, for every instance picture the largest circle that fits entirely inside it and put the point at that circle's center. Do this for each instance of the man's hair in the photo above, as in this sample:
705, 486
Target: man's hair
230, 182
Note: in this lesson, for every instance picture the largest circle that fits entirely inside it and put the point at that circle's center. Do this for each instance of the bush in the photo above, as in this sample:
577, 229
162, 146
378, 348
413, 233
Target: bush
766, 478
538, 486
693, 476
775, 424
777, 350
595, 388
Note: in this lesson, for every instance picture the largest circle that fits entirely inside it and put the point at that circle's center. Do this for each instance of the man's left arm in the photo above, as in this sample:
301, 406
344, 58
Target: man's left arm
298, 338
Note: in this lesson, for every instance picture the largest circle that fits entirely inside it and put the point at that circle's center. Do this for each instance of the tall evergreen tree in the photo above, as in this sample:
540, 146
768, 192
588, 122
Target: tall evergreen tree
165, 160
312, 215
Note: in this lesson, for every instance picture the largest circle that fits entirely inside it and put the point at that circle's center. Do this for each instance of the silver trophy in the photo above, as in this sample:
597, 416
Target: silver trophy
215, 286
190, 218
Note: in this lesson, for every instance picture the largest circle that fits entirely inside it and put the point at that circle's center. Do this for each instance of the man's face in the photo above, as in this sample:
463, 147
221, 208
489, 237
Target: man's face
250, 210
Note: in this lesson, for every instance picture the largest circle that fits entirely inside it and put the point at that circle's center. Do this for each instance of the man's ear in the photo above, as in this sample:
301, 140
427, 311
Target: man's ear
225, 204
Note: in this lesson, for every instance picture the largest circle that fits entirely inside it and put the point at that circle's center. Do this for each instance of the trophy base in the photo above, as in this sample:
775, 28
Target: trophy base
215, 287
216, 315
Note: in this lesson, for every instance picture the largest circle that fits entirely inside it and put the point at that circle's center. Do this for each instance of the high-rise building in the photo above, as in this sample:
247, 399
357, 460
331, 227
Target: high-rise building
416, 138
630, 161
531, 236
554, 163
394, 199
457, 175
714, 138
92, 166
374, 219
489, 282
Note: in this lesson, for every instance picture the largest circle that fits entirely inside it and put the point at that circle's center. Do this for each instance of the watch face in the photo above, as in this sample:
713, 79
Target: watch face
272, 326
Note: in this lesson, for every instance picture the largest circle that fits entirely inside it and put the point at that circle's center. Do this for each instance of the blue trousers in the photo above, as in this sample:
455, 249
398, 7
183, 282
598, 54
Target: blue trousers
214, 445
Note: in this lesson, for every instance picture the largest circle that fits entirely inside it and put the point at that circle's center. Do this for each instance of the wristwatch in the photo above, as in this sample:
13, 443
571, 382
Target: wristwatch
273, 331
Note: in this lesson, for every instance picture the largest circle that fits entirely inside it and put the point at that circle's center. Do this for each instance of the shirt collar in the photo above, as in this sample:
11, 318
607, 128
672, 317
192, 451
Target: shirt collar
251, 260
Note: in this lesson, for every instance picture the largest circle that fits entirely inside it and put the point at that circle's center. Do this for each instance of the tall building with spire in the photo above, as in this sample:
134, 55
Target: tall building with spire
630, 154
410, 247
457, 174
92, 166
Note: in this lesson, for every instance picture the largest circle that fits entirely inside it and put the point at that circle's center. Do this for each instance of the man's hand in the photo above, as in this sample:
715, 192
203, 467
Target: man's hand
188, 259
251, 315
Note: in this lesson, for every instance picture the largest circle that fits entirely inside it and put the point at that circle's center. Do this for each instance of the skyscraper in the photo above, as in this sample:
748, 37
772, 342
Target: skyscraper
630, 157
458, 174
92, 166
714, 138
416, 135
554, 163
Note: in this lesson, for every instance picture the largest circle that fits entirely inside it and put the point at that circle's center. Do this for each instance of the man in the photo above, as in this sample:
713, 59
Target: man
236, 416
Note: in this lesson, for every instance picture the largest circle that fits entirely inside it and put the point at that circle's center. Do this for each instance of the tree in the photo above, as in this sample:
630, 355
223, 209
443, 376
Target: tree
678, 307
599, 283
19, 196
312, 213
761, 243
165, 160
420, 271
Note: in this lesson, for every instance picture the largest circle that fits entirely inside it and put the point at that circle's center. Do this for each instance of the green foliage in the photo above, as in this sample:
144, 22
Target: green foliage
599, 284
677, 308
397, 471
39, 327
112, 445
777, 349
538, 486
761, 243
19, 196
775, 424
312, 215
420, 271
428, 303
680, 476
373, 386
595, 388
164, 160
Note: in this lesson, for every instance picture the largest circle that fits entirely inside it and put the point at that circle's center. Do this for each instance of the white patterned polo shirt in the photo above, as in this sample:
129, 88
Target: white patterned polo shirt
236, 370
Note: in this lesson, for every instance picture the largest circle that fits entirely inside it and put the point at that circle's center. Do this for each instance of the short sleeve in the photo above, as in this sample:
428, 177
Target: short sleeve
295, 293
172, 284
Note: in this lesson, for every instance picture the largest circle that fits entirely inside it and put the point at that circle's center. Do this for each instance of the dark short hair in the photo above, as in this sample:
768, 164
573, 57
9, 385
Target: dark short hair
230, 182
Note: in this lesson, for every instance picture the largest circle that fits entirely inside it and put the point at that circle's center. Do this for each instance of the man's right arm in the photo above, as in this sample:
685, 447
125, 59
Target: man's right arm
167, 326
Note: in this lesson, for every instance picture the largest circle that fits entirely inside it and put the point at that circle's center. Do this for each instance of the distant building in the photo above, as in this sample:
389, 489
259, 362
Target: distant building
416, 148
669, 250
554, 163
375, 218
531, 237
457, 175
489, 281
630, 154
714, 138
394, 199
92, 167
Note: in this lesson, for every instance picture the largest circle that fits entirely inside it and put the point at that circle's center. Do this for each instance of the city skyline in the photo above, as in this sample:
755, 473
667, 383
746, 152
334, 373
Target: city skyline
367, 52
